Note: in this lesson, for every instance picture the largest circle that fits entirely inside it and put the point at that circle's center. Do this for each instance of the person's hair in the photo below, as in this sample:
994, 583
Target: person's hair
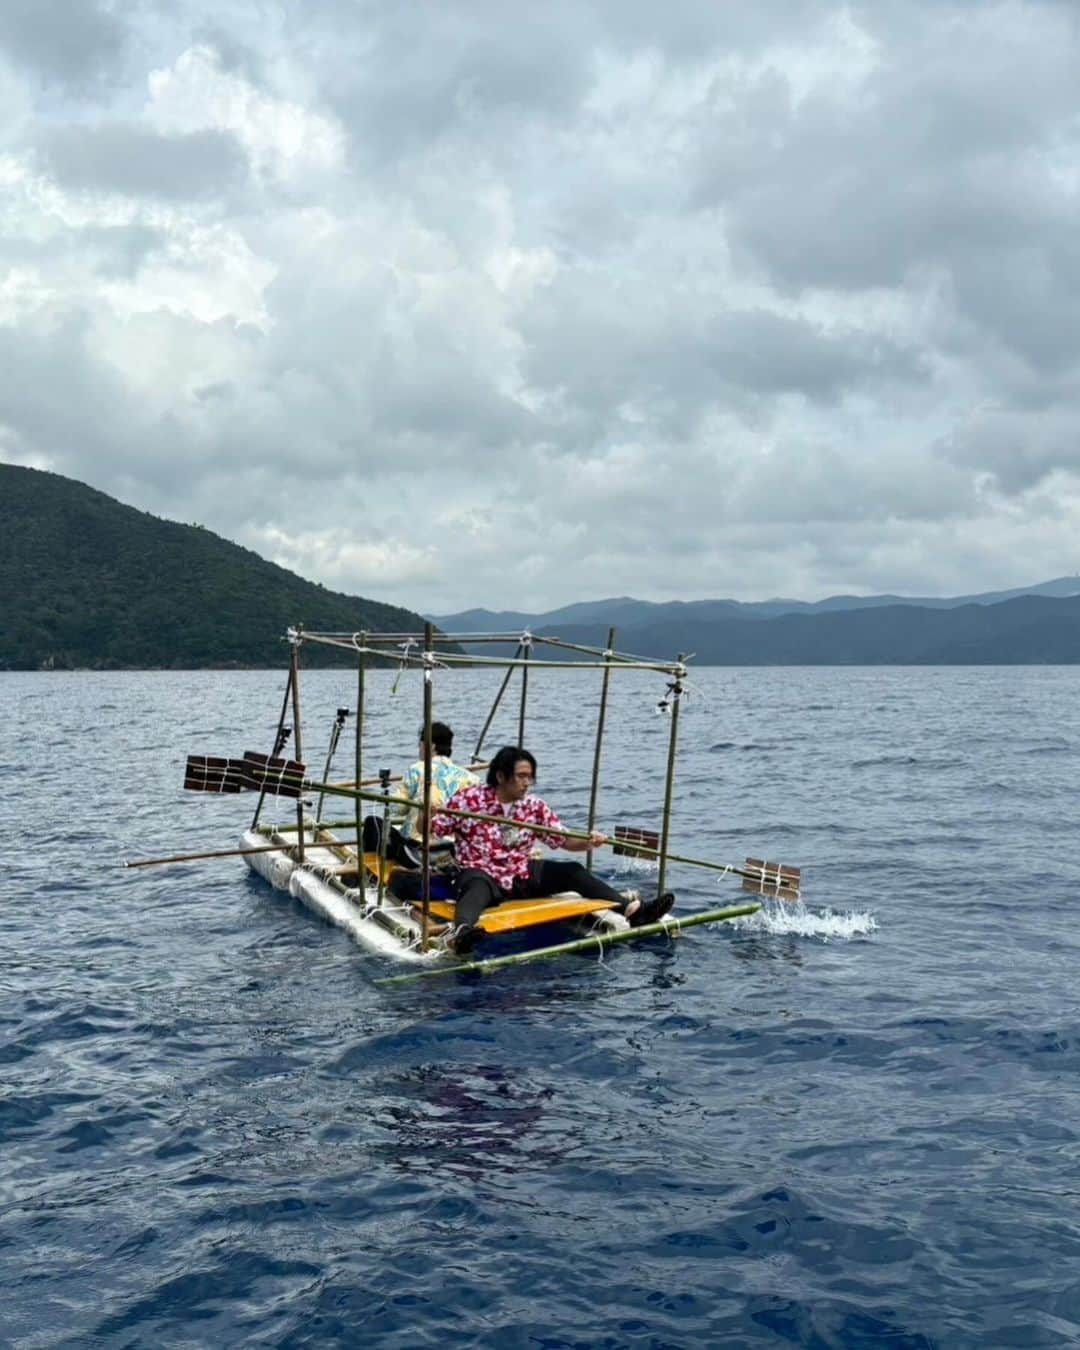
442, 738
504, 763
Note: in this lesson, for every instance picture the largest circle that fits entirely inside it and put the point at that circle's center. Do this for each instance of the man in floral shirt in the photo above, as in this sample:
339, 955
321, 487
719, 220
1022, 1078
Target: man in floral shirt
496, 858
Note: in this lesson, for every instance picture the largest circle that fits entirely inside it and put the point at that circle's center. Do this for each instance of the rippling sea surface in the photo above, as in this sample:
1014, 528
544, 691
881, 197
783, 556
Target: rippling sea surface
850, 1123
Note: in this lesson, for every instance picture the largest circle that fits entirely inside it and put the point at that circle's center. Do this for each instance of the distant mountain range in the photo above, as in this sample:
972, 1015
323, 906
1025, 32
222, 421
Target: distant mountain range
89, 583
1037, 624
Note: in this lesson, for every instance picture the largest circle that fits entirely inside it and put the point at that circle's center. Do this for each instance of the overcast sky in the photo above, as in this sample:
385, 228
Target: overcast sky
473, 303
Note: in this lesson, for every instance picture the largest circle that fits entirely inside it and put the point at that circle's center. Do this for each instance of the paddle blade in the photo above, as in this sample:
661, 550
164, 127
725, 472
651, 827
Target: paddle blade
626, 837
211, 773
275, 777
253, 773
769, 878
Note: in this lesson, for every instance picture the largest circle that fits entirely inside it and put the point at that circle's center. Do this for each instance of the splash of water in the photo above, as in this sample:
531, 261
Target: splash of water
828, 925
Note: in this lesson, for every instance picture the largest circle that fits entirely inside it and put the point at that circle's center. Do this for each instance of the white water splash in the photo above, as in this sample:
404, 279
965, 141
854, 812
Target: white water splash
797, 920
636, 867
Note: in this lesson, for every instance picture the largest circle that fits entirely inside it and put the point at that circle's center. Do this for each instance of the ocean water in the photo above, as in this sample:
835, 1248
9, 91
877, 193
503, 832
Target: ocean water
853, 1122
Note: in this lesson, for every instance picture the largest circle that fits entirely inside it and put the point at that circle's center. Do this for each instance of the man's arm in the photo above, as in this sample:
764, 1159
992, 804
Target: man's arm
595, 840
545, 816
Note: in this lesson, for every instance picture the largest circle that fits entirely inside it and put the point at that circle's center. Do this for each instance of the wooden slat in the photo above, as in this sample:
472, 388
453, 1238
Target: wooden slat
371, 863
769, 878
277, 777
512, 915
211, 773
626, 836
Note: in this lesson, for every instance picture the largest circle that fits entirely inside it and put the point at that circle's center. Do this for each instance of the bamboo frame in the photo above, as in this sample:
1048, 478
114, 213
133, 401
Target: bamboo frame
669, 784
298, 740
526, 653
428, 658
594, 787
425, 843
279, 741
358, 746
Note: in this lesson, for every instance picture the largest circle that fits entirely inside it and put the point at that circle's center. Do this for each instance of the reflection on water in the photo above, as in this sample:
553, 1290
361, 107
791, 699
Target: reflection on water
465, 1118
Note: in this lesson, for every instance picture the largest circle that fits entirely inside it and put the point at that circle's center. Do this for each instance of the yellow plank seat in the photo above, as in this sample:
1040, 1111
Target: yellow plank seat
511, 914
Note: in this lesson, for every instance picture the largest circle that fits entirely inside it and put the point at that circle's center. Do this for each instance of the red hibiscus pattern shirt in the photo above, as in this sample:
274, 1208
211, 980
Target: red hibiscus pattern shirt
501, 850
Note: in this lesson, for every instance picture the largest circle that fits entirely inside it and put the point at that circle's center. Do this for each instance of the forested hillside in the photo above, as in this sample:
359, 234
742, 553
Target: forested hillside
87, 582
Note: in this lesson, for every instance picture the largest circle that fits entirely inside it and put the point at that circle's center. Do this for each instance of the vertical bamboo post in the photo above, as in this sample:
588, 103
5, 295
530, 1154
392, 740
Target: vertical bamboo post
495, 705
298, 738
359, 764
594, 791
425, 904
384, 835
279, 741
335, 736
526, 648
676, 698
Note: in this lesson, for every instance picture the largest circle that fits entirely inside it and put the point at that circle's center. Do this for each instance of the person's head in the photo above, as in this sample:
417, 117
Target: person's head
512, 772
442, 738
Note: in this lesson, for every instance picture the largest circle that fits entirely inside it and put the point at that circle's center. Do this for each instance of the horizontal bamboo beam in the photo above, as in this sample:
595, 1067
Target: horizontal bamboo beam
595, 942
201, 857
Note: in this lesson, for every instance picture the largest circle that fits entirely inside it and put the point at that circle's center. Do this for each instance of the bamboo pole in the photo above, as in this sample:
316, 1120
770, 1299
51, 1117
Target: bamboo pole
725, 868
396, 639
594, 790
279, 741
617, 658
595, 942
526, 648
335, 737
669, 785
425, 884
384, 838
298, 743
358, 744
467, 659
215, 853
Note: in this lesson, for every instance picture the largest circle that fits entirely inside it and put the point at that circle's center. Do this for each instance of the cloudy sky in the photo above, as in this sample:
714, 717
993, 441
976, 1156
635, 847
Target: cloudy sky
456, 302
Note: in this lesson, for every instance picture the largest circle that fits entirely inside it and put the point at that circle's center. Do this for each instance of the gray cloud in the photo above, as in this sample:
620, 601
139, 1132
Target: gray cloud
687, 301
70, 43
128, 158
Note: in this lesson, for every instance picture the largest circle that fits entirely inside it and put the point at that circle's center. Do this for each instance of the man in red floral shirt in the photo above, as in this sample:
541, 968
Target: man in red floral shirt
496, 858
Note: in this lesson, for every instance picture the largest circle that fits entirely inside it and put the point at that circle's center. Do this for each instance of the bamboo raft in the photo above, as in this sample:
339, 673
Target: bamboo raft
322, 863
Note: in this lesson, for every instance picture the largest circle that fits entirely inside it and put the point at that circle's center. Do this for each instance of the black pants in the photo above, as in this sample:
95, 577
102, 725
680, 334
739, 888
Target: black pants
395, 841
476, 890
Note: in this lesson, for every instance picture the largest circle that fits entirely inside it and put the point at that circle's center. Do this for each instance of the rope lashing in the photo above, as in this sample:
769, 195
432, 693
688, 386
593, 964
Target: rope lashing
406, 650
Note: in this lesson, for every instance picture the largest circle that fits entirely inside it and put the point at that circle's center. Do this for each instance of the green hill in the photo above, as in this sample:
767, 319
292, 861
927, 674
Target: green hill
90, 583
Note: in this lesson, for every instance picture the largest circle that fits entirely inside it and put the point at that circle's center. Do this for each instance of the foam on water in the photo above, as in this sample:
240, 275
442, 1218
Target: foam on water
797, 920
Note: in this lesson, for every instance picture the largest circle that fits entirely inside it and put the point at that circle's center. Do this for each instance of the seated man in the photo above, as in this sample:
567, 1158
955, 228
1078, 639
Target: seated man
496, 859
405, 843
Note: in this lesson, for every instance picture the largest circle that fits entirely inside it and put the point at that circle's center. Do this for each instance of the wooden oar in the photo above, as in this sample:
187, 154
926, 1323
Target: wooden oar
286, 778
199, 857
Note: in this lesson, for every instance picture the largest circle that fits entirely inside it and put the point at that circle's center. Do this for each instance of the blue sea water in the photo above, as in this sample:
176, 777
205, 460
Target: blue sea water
850, 1123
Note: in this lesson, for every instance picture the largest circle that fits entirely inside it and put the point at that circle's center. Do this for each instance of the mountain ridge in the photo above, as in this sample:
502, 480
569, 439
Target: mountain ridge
630, 613
91, 583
